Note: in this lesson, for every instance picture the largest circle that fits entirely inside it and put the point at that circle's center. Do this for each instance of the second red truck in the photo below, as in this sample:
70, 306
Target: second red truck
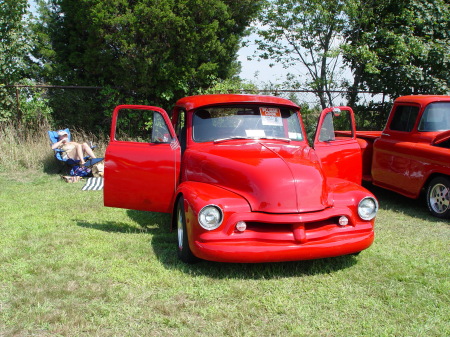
411, 156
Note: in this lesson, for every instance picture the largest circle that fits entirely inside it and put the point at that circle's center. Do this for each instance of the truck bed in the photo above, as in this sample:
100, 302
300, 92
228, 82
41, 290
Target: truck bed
368, 135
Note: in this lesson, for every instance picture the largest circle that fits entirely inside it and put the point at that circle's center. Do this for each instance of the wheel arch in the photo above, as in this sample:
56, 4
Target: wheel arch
173, 223
437, 198
197, 195
433, 175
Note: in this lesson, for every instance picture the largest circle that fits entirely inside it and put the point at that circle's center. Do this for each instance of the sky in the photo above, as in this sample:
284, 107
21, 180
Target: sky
258, 71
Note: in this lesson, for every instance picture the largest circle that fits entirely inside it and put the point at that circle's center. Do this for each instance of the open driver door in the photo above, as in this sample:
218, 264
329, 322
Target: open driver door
142, 160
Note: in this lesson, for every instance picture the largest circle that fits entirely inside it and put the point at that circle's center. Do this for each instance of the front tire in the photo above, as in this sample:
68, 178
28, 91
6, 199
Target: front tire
438, 197
184, 252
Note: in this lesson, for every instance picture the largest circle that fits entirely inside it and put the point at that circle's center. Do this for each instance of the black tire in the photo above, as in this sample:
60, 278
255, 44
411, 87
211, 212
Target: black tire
184, 252
438, 197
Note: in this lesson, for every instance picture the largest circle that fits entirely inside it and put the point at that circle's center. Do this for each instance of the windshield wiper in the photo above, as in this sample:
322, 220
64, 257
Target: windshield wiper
253, 138
288, 140
230, 138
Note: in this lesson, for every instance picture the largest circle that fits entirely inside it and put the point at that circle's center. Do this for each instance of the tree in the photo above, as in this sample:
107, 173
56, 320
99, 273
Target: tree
144, 51
305, 33
399, 47
395, 47
14, 49
230, 86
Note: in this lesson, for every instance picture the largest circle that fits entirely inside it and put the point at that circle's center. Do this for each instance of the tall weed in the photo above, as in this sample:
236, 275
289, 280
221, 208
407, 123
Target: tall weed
24, 147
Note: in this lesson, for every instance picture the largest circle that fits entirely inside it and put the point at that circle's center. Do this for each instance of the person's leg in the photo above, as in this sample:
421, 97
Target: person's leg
80, 156
87, 149
77, 153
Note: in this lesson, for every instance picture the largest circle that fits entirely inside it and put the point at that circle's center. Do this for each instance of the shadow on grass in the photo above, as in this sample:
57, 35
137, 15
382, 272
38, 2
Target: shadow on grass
392, 201
144, 222
53, 166
112, 226
164, 245
257, 271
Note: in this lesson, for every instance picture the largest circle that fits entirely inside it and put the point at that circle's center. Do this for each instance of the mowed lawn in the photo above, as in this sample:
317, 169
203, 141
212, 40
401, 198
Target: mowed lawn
71, 267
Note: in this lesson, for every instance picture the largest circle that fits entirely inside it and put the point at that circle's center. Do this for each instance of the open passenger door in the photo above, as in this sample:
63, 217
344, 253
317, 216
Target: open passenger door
142, 160
336, 145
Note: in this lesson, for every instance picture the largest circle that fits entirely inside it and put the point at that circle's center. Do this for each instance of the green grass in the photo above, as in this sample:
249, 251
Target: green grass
71, 267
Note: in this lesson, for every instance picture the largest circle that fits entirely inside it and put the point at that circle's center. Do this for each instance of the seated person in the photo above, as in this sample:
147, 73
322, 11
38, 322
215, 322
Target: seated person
72, 150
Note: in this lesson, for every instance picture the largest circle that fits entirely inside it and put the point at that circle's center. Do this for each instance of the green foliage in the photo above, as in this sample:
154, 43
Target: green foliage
34, 105
144, 51
79, 108
394, 47
372, 116
304, 33
400, 47
310, 116
15, 45
7, 104
230, 86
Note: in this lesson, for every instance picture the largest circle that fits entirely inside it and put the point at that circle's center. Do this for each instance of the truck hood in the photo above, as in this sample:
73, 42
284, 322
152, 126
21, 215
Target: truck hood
273, 177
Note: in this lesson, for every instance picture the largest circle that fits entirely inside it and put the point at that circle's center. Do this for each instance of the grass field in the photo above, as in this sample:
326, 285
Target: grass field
71, 267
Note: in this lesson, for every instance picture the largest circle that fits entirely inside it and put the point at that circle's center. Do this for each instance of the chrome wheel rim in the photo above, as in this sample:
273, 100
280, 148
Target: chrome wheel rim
180, 229
439, 198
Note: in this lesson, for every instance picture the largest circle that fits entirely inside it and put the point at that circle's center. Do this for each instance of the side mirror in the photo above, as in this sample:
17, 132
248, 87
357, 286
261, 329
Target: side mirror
336, 112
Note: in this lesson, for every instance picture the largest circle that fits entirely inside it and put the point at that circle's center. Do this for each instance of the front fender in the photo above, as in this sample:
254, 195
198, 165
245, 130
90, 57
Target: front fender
198, 195
347, 194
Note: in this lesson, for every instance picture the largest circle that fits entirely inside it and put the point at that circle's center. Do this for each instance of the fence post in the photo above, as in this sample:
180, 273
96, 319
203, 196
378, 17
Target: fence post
19, 112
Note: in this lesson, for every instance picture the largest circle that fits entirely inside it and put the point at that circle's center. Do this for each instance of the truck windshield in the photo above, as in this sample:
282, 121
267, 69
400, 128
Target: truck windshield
436, 117
249, 122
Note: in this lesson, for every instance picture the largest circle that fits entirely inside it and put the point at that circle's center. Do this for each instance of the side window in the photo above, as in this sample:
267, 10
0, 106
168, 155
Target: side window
343, 121
335, 122
181, 121
404, 118
327, 129
436, 117
143, 126
160, 132
180, 129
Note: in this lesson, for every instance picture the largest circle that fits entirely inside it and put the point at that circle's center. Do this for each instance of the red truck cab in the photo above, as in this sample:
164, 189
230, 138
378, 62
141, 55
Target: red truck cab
240, 179
412, 153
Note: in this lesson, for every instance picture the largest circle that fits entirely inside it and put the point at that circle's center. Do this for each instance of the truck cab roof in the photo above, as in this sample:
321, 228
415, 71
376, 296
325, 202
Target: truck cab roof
194, 102
422, 99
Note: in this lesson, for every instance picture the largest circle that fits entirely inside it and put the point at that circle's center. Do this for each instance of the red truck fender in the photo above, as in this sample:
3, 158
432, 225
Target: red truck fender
197, 195
442, 137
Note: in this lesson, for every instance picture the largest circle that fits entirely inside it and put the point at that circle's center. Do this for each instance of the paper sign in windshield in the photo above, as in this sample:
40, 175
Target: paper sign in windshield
255, 133
271, 116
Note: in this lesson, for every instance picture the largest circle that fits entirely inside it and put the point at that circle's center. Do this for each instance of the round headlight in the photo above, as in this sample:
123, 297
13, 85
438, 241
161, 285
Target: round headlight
368, 208
210, 217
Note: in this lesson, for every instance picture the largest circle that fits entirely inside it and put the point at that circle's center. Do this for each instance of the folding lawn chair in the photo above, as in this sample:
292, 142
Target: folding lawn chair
66, 161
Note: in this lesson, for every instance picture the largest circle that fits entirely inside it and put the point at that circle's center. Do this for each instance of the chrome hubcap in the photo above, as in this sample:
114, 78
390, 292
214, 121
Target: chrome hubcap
440, 198
180, 230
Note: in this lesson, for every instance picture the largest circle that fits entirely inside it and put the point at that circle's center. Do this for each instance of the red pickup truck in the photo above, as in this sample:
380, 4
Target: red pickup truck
412, 154
240, 180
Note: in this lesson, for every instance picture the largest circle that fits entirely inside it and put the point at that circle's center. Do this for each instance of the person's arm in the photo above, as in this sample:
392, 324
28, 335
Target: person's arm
57, 144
